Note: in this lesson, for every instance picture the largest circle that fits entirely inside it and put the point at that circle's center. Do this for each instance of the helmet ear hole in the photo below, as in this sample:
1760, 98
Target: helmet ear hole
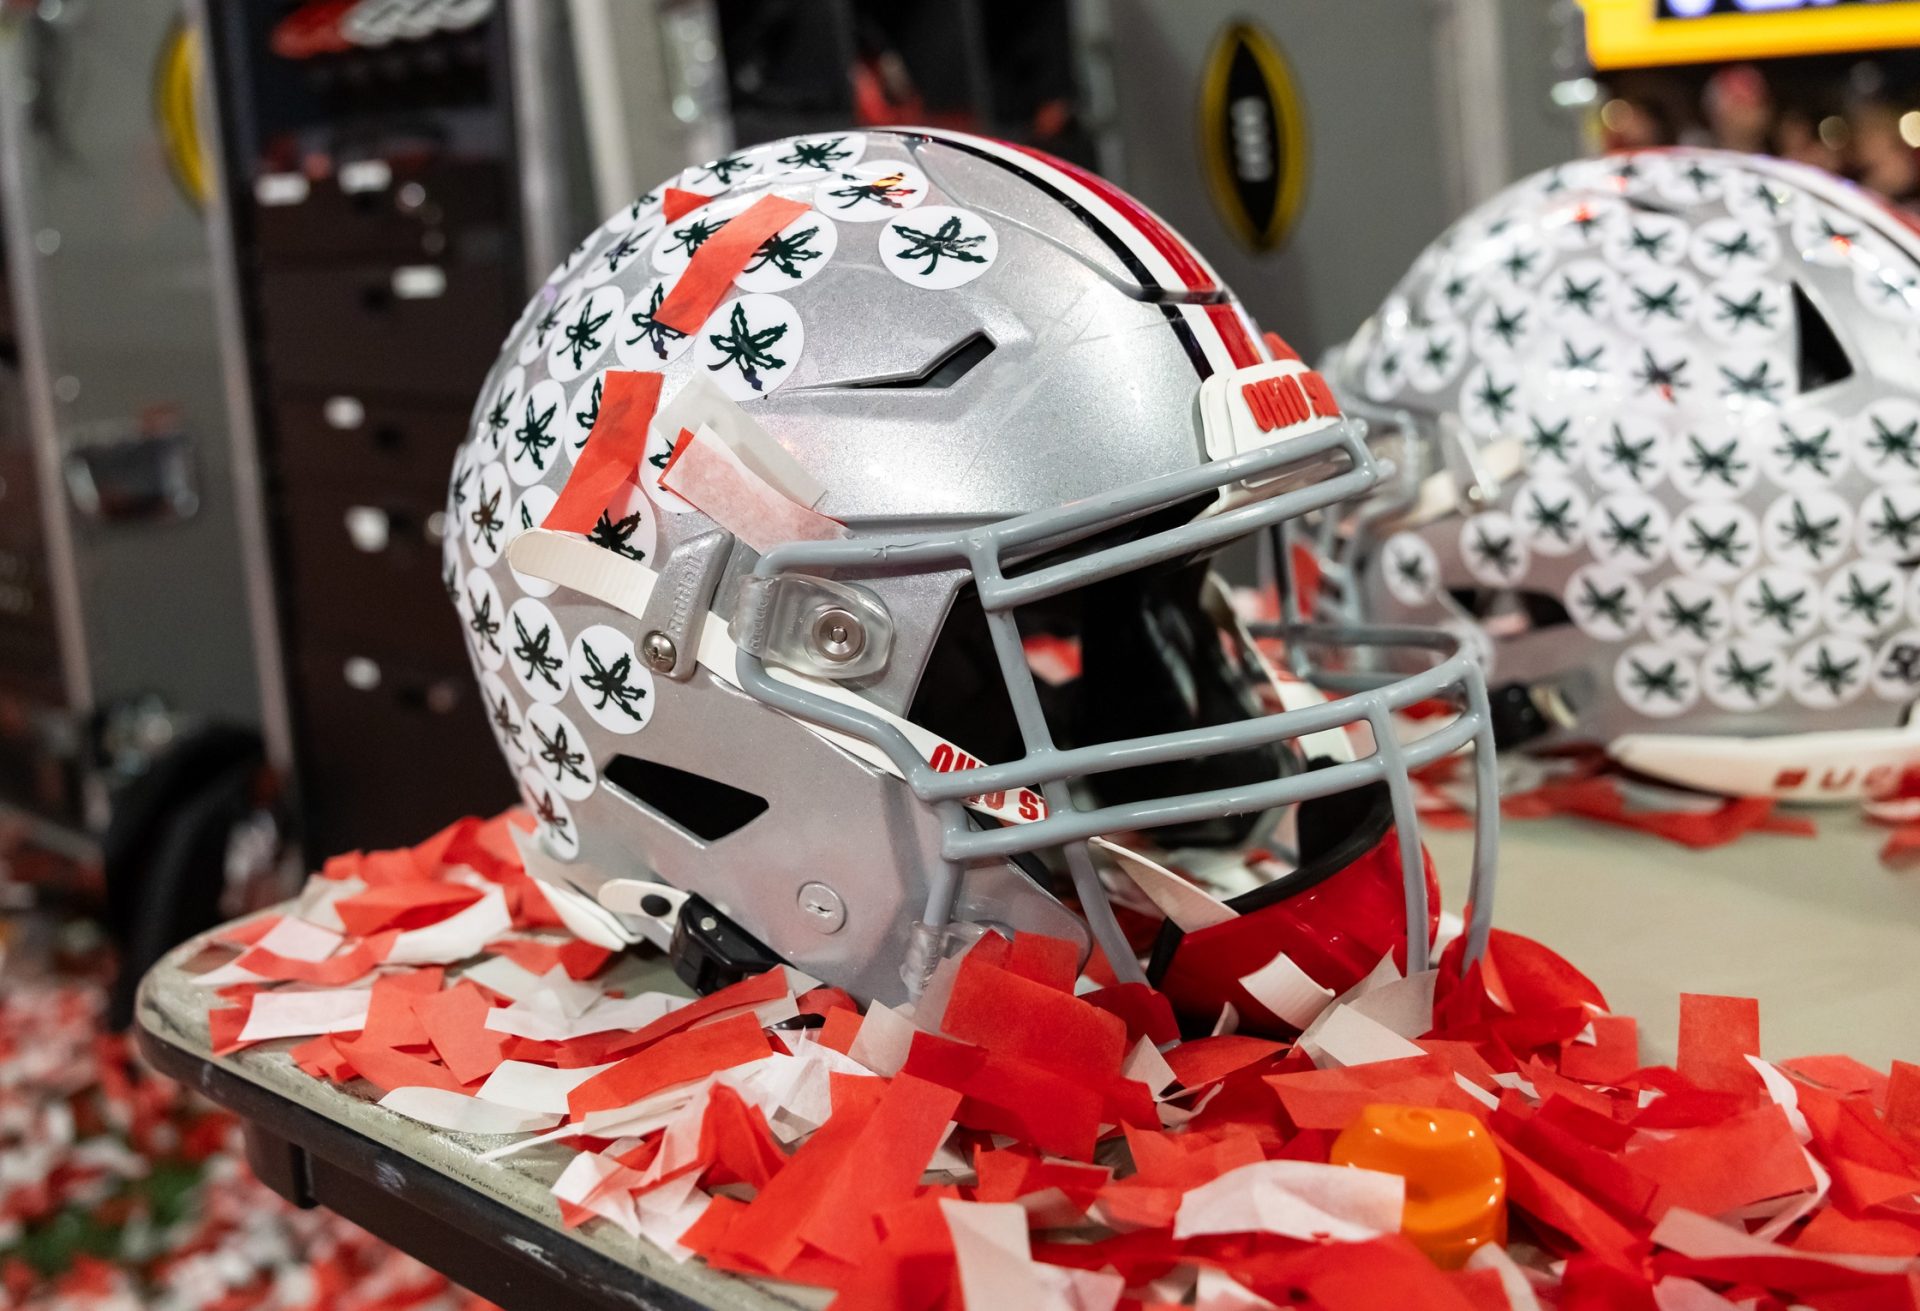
1823, 360
705, 807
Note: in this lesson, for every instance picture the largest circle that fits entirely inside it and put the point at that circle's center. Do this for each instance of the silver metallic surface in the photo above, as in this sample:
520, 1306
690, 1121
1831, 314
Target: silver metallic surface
659, 651
824, 906
1068, 453
1866, 289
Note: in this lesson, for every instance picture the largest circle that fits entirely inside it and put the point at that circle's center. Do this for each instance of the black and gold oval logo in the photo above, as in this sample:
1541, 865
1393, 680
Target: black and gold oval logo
1253, 136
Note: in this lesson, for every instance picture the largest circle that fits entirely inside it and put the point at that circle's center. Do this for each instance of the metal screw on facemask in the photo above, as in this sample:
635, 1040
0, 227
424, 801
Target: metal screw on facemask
659, 651
823, 907
838, 635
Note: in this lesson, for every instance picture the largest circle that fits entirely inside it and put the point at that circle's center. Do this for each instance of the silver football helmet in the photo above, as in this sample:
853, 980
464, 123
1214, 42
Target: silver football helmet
1657, 422
1029, 414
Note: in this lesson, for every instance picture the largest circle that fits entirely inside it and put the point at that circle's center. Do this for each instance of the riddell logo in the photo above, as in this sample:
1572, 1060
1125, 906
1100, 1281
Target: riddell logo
1288, 399
1875, 781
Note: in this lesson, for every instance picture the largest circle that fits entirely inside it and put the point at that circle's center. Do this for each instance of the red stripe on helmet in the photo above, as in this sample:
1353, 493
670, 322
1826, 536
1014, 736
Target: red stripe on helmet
1186, 264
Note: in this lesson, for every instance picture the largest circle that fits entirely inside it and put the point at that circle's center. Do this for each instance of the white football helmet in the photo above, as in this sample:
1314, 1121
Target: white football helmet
1027, 414
1657, 422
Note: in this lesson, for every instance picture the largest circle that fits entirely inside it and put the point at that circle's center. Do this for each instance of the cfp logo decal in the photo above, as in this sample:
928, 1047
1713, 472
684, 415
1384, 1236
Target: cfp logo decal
1253, 136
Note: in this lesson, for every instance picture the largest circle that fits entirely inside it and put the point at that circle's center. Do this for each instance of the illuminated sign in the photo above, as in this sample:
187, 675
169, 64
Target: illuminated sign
1638, 33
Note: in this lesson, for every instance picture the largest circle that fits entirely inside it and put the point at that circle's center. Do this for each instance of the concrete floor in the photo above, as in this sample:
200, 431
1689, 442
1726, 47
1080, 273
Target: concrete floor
1825, 937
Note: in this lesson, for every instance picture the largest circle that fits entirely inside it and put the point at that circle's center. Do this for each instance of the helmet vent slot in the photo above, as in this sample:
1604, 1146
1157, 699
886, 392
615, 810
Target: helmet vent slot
704, 807
942, 372
1823, 360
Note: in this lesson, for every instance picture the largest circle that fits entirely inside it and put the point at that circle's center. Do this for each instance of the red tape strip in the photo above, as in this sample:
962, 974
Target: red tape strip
720, 260
612, 452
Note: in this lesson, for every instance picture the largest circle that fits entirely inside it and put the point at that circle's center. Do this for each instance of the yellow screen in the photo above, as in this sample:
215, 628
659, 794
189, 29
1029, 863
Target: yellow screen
1638, 33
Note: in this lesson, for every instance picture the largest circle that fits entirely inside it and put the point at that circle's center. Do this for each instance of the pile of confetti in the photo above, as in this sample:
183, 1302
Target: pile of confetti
119, 1189
1023, 1137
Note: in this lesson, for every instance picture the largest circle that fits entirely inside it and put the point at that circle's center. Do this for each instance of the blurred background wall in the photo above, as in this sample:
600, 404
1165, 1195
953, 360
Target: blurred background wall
259, 253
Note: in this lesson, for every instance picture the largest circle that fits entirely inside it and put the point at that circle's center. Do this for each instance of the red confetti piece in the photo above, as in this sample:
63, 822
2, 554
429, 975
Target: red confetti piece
1717, 1034
676, 204
403, 906
455, 1022
680, 1058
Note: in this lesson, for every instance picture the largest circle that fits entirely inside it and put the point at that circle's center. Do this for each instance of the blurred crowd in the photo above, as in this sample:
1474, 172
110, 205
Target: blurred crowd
1860, 119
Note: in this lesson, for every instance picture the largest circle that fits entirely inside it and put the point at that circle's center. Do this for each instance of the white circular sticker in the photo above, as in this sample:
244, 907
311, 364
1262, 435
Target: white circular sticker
1753, 380
553, 822
503, 713
1865, 598
1664, 371
1687, 615
644, 342
1493, 549
1628, 453
681, 238
826, 153
1889, 289
635, 214
537, 650
560, 752
497, 419
531, 512
1629, 531
452, 576
1824, 235
1716, 540
628, 246
1746, 311
582, 412
1709, 462
587, 328
485, 525
1759, 199
1656, 681
729, 170
1886, 440
1435, 355
541, 327
1410, 569
1386, 370
1777, 605
1505, 326
1807, 530
792, 255
1829, 671
1452, 293
750, 345
871, 191
1744, 675
1583, 292
1605, 603
1647, 240
533, 443
610, 681
1552, 514
1519, 261
485, 617
1890, 524
1583, 356
938, 246
1896, 667
1554, 440
1804, 449
1691, 181
1732, 247
627, 527
1659, 301
1489, 399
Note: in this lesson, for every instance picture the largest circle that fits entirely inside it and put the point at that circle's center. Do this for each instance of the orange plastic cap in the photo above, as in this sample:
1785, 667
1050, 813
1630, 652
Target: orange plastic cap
1456, 1181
